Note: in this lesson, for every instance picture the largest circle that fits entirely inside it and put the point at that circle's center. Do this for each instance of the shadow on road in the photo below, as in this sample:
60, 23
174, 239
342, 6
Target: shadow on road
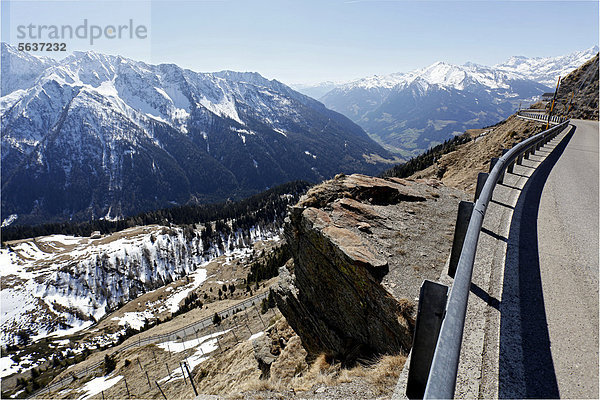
526, 369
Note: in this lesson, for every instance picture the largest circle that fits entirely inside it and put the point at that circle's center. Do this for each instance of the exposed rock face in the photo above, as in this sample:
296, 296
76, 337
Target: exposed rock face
332, 294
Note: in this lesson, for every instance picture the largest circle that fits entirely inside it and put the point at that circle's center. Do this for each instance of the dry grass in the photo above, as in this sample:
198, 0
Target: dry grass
290, 363
384, 374
380, 374
234, 373
230, 372
460, 167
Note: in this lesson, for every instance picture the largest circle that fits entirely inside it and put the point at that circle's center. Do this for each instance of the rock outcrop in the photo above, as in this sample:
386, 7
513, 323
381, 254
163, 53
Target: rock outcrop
331, 294
278, 351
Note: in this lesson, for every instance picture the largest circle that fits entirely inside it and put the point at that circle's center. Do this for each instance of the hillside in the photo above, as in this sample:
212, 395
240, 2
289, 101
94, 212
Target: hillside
67, 279
578, 92
459, 168
381, 221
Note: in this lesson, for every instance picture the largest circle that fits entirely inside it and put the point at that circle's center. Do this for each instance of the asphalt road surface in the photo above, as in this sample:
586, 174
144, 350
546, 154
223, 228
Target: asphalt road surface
567, 231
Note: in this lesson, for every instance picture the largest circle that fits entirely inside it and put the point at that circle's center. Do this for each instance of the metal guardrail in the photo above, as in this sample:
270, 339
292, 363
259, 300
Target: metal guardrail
541, 116
441, 382
171, 336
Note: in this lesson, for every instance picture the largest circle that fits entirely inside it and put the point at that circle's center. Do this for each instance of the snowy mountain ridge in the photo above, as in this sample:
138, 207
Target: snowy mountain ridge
546, 70
440, 73
543, 70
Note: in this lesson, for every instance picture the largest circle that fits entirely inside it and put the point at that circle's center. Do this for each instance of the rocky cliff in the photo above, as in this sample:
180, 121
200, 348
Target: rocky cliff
346, 235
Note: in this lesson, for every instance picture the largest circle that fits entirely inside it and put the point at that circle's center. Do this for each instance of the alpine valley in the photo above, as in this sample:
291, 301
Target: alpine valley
99, 136
411, 112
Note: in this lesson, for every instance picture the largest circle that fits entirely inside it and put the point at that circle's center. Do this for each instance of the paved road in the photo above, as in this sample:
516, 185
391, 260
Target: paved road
532, 322
567, 230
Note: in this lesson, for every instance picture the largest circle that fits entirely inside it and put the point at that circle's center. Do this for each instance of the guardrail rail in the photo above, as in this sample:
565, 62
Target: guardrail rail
541, 116
441, 381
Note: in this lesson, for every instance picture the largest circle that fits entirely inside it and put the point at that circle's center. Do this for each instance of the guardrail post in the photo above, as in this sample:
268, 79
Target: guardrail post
481, 178
432, 303
493, 162
520, 159
510, 167
465, 209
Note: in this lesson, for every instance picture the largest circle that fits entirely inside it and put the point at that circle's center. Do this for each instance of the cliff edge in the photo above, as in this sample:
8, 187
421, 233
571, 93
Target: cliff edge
346, 235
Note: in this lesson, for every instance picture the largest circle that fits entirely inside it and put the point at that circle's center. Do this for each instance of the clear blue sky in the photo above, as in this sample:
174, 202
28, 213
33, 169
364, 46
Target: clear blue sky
307, 41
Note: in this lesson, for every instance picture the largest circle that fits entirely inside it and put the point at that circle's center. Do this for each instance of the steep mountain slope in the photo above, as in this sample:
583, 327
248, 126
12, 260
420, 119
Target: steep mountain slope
578, 92
103, 136
60, 284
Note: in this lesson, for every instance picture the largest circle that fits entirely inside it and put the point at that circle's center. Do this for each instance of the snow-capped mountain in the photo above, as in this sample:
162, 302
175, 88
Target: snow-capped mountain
412, 111
97, 135
416, 110
546, 70
458, 77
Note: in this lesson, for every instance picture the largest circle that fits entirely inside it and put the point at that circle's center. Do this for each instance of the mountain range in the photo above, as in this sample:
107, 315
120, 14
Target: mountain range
410, 112
100, 136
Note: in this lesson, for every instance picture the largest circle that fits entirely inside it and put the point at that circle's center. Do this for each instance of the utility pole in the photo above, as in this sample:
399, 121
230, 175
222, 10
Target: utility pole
553, 101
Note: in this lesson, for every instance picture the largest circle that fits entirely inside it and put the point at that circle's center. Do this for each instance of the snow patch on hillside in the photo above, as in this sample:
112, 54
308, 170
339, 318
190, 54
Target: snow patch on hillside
61, 284
203, 346
9, 220
198, 277
98, 385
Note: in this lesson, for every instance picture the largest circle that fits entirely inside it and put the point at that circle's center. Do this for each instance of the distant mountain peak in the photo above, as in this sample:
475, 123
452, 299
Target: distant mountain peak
546, 70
